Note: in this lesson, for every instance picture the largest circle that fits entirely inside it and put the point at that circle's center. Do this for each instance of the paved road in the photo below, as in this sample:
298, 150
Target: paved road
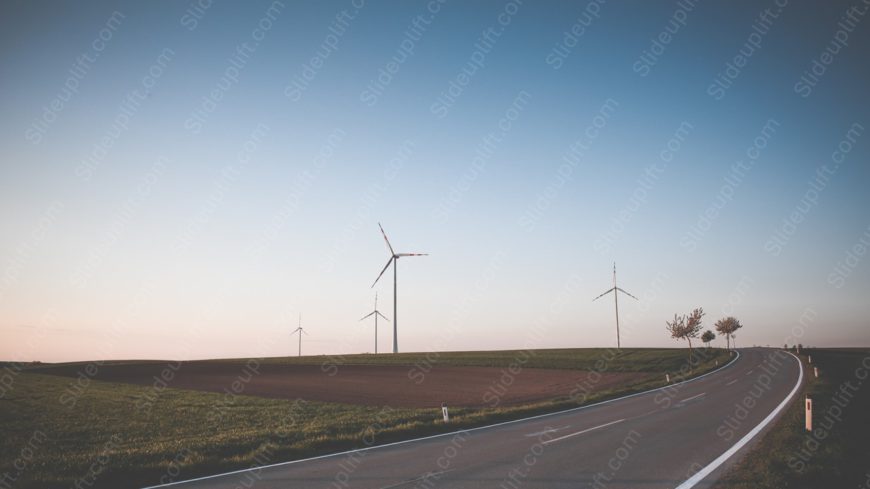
653, 440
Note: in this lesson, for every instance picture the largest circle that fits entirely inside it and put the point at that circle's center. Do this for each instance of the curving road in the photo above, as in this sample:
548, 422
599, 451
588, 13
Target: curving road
679, 436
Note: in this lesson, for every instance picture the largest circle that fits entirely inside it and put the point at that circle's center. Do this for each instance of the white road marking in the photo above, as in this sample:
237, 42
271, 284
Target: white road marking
733, 381
753, 370
418, 479
550, 430
699, 476
450, 433
581, 432
693, 397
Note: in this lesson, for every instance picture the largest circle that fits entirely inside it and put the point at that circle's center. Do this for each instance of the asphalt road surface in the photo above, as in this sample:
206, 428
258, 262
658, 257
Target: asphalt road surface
680, 436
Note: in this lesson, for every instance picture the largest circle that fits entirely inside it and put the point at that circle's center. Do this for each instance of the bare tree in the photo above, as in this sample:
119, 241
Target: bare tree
707, 337
726, 327
686, 327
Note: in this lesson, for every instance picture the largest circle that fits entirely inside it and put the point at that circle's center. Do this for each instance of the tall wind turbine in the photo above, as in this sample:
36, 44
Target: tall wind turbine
394, 260
375, 313
615, 289
301, 332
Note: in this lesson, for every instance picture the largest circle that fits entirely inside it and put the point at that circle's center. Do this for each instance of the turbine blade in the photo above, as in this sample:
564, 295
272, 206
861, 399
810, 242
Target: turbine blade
381, 315
602, 295
384, 270
367, 315
412, 254
387, 240
626, 293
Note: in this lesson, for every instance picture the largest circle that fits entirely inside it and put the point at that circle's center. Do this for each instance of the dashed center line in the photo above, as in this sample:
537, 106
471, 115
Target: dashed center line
733, 381
693, 397
753, 370
581, 432
548, 430
417, 479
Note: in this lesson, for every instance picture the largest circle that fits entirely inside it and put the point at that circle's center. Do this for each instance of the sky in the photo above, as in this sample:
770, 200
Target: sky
184, 179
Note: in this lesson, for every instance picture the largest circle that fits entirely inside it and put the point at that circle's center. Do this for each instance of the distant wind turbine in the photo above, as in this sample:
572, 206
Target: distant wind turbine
615, 289
301, 332
394, 260
375, 313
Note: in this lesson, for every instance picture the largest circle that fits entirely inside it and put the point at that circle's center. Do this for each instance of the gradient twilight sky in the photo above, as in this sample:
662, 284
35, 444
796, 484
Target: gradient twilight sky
181, 180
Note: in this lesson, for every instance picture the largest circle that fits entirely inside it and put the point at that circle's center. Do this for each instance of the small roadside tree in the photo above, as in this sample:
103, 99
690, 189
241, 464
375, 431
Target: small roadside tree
686, 327
707, 337
726, 327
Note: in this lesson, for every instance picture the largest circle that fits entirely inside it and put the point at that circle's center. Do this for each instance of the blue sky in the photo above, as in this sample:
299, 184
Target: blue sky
223, 200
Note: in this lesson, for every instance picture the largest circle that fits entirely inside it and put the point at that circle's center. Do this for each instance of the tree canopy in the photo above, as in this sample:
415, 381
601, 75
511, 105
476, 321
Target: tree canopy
708, 336
726, 327
686, 327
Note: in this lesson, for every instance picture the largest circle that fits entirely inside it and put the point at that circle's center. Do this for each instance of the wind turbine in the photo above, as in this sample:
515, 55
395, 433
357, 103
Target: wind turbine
301, 332
394, 257
615, 289
375, 313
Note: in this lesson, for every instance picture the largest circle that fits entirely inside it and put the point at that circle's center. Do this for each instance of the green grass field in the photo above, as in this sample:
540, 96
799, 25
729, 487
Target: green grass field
836, 453
104, 442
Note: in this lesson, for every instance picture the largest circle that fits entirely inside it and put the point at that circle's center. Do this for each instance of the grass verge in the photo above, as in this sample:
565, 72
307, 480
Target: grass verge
835, 453
103, 441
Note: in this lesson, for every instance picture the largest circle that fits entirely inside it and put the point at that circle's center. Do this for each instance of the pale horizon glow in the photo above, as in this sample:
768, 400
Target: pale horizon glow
242, 181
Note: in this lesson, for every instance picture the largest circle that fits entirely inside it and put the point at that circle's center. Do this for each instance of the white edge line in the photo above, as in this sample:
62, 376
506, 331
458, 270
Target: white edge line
587, 430
579, 408
746, 438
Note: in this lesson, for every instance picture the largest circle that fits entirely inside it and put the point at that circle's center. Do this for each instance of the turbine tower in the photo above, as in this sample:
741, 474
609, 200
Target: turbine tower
615, 289
301, 332
375, 313
394, 260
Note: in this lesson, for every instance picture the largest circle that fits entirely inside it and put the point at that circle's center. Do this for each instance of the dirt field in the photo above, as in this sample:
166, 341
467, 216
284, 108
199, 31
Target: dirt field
392, 385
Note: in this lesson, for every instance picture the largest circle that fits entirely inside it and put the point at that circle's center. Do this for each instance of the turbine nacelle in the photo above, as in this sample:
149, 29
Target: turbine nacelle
392, 261
301, 332
615, 289
393, 255
375, 313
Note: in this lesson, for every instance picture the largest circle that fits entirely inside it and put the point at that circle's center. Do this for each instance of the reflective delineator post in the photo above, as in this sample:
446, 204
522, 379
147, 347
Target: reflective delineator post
668, 378
809, 359
444, 412
809, 409
816, 371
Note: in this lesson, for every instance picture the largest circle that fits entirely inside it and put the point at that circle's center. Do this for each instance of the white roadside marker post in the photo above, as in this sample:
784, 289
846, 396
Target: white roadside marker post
809, 359
444, 412
668, 378
809, 423
816, 371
